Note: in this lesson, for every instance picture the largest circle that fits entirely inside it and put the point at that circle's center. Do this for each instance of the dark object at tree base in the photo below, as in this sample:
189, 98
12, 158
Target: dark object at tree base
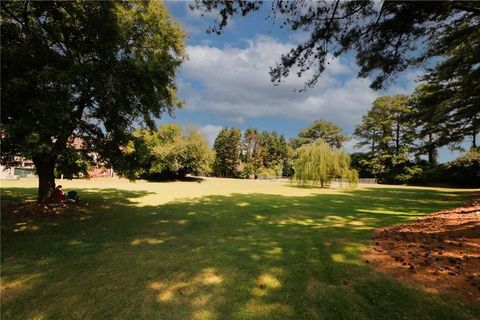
72, 196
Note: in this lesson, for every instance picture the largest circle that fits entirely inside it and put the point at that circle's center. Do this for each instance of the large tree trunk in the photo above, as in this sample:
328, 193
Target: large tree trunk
474, 132
432, 152
373, 141
397, 139
46, 180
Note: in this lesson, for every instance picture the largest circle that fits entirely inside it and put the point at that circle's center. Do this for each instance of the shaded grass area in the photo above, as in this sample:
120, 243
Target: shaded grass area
242, 256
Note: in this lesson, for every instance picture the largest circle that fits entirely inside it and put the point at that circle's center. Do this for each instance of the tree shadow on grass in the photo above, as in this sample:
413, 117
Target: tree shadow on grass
87, 194
243, 256
96, 209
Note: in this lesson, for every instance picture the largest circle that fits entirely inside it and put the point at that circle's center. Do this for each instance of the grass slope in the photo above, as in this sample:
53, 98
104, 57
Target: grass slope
219, 249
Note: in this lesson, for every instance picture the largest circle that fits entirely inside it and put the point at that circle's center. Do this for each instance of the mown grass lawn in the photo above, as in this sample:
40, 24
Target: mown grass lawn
219, 249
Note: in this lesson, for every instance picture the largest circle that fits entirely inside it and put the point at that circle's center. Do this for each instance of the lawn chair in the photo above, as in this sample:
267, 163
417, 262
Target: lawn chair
72, 196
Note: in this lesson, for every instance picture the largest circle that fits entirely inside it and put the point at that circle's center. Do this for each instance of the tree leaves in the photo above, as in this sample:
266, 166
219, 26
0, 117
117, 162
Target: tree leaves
325, 130
318, 163
92, 69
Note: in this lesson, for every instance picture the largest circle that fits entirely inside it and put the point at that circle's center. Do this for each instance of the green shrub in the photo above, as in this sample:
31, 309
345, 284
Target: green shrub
465, 170
461, 172
266, 173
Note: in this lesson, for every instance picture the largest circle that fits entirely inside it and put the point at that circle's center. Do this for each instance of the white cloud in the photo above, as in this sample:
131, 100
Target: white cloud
299, 36
210, 132
350, 146
235, 84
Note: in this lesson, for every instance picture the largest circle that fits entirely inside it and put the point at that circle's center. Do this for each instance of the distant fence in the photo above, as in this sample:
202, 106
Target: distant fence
25, 172
367, 180
273, 179
333, 183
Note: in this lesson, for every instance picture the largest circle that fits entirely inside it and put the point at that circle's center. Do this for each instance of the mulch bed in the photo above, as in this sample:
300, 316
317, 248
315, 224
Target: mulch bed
440, 252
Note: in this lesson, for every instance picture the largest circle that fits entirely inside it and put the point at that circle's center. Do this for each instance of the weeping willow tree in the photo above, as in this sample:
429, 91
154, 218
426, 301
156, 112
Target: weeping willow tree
319, 164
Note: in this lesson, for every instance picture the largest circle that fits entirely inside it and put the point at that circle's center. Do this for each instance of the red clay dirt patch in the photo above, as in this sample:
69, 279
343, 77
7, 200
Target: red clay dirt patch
440, 252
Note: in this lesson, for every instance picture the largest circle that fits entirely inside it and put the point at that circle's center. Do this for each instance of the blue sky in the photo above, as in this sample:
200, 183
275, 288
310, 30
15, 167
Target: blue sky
225, 81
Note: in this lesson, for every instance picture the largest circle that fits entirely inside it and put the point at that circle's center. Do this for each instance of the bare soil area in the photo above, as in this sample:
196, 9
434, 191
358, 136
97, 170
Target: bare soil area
440, 252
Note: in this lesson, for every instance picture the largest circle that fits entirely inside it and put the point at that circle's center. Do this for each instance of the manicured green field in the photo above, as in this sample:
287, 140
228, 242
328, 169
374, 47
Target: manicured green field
217, 249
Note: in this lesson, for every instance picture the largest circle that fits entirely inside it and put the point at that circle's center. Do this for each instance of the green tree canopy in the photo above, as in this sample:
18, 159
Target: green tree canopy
325, 130
169, 152
252, 151
90, 69
455, 81
256, 154
319, 163
446, 107
429, 104
360, 161
274, 150
390, 132
228, 152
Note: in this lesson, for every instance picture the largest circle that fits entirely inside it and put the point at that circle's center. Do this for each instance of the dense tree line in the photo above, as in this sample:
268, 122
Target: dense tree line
171, 152
315, 156
252, 154
403, 135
